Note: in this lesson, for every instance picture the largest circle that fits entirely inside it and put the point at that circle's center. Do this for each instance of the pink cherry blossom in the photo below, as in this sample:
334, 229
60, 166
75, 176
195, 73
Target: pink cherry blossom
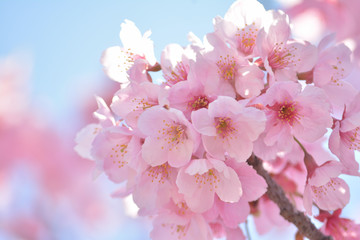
154, 188
128, 103
117, 152
170, 137
324, 187
203, 178
333, 67
118, 60
337, 227
188, 97
227, 126
223, 71
283, 57
294, 113
241, 24
175, 63
345, 137
86, 136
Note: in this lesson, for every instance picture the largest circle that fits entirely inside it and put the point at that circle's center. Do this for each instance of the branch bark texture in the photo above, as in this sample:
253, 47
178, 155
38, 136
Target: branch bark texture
287, 210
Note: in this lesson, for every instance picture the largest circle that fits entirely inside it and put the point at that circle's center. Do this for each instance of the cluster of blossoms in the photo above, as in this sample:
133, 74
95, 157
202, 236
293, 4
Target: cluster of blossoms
248, 89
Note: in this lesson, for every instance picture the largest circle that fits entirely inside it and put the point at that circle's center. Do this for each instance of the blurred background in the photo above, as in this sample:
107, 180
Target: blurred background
49, 74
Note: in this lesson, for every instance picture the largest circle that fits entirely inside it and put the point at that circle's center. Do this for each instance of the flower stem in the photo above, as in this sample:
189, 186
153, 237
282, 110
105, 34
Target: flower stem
287, 210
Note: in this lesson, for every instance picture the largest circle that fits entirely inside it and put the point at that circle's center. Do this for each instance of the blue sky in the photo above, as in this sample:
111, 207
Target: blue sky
65, 40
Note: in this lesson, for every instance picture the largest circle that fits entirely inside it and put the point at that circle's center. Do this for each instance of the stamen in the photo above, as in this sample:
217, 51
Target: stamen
179, 74
227, 68
198, 102
117, 155
209, 179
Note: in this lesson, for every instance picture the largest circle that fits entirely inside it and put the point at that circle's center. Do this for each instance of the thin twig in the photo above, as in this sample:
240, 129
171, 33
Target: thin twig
247, 230
287, 210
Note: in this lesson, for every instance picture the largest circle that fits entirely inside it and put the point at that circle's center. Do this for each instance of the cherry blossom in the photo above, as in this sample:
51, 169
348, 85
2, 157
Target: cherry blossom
171, 138
202, 178
118, 60
338, 227
228, 126
247, 108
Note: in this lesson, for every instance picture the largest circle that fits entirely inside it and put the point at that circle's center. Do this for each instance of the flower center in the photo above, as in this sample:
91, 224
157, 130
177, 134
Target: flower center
287, 112
209, 179
227, 67
352, 138
141, 104
159, 173
126, 59
198, 102
117, 155
223, 126
282, 56
172, 135
246, 38
179, 74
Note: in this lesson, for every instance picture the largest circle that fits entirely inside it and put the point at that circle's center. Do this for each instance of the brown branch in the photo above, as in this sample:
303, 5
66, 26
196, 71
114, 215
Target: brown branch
287, 210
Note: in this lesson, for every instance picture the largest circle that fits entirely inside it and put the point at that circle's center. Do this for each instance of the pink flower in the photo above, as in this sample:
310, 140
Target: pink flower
118, 60
117, 152
203, 178
283, 57
85, 137
227, 126
170, 137
154, 187
175, 61
337, 227
294, 113
240, 25
333, 66
128, 103
223, 71
345, 137
189, 96
324, 187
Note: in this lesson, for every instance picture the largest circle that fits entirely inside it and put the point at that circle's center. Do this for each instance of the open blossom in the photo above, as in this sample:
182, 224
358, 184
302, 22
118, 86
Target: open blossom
324, 187
170, 137
118, 60
203, 178
227, 126
117, 153
189, 96
175, 63
283, 58
223, 71
241, 25
333, 67
337, 227
345, 137
154, 187
294, 113
86, 136
184, 146
128, 103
